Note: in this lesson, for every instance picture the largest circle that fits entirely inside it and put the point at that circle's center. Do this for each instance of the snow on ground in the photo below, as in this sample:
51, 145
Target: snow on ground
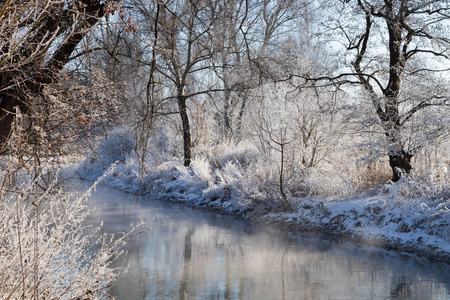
387, 217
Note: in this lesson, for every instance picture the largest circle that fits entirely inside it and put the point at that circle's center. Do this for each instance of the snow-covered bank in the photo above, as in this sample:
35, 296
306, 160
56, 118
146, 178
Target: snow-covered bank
387, 216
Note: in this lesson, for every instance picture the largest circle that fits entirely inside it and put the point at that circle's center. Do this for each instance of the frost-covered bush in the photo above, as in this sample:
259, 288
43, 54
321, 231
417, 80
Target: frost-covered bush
194, 178
414, 186
200, 169
117, 146
163, 145
48, 253
242, 153
228, 180
320, 182
260, 180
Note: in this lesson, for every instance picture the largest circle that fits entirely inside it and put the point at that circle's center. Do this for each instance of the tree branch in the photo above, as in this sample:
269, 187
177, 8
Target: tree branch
421, 106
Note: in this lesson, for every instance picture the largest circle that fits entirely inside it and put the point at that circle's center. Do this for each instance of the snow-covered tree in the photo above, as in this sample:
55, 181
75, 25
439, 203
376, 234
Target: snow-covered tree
38, 39
398, 52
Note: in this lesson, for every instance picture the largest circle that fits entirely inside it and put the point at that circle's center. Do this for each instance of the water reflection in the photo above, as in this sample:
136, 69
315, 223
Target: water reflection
190, 254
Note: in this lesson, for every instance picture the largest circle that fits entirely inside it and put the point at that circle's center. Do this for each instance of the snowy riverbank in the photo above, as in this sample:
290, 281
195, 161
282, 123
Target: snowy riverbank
387, 216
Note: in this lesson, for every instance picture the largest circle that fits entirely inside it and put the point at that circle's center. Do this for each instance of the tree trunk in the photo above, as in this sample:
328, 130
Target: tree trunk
399, 159
226, 113
287, 203
400, 163
186, 128
241, 114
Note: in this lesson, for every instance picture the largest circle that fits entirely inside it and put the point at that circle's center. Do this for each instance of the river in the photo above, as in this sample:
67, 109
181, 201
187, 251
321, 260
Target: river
193, 254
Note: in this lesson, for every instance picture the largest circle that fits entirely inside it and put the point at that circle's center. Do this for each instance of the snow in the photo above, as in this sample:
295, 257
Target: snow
407, 216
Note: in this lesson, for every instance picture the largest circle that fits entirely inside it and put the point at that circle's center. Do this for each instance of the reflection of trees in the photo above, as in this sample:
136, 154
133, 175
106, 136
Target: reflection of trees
401, 288
187, 260
283, 293
228, 288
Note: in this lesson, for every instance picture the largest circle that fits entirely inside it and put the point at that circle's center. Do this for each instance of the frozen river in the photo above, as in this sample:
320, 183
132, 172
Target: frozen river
192, 254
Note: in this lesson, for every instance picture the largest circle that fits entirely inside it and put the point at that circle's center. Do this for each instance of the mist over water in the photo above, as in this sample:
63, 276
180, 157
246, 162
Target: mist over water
192, 254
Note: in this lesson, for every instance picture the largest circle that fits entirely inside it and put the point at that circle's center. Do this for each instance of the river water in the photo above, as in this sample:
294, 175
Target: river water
193, 254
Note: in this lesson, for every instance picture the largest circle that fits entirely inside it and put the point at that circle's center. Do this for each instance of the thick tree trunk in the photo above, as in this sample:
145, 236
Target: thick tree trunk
399, 159
400, 164
186, 128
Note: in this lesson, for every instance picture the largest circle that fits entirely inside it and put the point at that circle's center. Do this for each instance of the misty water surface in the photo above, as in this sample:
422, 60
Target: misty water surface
192, 254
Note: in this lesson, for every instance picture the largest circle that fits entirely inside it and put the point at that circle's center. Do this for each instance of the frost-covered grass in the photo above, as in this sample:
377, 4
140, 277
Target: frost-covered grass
412, 215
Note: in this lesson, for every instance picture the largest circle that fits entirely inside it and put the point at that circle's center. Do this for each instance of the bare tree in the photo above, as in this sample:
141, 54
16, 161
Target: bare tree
268, 26
182, 48
228, 60
278, 134
394, 43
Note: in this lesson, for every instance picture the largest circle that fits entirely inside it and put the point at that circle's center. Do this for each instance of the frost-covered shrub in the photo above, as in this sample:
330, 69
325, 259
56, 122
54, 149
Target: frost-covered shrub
200, 169
261, 180
371, 174
163, 145
243, 153
232, 173
198, 172
176, 178
319, 182
228, 180
117, 146
48, 253
414, 186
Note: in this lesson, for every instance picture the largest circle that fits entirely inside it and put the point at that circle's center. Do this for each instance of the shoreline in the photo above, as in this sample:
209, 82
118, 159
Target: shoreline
287, 222
385, 218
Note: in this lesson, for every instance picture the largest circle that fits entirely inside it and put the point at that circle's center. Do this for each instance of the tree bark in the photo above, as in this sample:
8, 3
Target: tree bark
400, 163
399, 159
226, 113
241, 114
186, 127
7, 104
287, 203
